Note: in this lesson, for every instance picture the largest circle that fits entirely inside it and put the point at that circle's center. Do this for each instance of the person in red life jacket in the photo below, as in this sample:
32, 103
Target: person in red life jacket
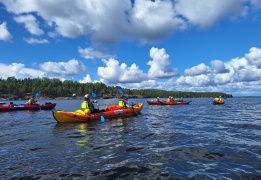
123, 103
170, 99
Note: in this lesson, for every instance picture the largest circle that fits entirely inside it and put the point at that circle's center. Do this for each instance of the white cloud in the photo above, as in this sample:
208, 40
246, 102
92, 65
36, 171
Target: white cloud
86, 79
19, 71
205, 13
113, 21
219, 67
4, 33
90, 53
197, 70
254, 57
30, 23
160, 65
36, 41
115, 73
70, 68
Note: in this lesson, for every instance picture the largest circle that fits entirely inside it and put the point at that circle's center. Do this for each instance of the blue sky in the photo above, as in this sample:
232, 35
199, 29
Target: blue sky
178, 45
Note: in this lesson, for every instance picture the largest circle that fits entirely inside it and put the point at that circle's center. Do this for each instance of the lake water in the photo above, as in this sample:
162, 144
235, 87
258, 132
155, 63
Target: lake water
196, 141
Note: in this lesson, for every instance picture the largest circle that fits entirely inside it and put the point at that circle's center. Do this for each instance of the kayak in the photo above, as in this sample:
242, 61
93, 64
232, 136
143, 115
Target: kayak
108, 112
218, 102
174, 102
15, 107
154, 102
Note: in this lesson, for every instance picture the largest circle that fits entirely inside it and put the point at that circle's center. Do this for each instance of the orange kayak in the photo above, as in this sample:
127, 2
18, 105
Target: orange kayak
174, 102
108, 112
218, 102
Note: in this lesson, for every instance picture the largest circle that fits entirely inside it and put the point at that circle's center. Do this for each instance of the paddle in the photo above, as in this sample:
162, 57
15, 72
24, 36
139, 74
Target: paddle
38, 102
95, 96
123, 94
258, 100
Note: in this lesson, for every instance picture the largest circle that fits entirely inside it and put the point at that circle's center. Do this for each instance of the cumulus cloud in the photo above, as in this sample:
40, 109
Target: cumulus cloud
4, 33
116, 73
254, 57
205, 13
219, 67
30, 23
86, 79
36, 41
70, 68
160, 65
19, 71
143, 20
197, 70
239, 76
91, 53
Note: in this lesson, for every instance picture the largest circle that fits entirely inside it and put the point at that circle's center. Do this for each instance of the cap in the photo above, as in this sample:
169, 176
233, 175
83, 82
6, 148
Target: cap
87, 96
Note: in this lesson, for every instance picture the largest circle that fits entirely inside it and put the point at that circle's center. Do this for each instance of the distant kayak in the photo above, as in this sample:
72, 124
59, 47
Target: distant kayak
16, 107
108, 112
174, 102
154, 102
218, 102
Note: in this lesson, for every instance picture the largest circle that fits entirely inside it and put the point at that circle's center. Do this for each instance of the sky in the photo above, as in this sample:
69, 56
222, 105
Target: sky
174, 45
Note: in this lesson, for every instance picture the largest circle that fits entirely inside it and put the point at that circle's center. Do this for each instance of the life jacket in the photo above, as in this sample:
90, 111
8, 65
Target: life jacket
85, 105
30, 101
121, 103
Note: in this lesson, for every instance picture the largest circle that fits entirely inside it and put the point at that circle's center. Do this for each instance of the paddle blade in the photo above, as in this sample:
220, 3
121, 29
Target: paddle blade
258, 100
102, 119
120, 91
36, 94
94, 95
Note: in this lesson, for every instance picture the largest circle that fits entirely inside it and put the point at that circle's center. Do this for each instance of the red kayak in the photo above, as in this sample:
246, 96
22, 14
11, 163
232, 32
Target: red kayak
15, 107
174, 102
218, 102
154, 102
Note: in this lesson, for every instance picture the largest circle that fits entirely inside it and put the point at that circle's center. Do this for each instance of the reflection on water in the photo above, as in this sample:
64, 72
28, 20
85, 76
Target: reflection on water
199, 141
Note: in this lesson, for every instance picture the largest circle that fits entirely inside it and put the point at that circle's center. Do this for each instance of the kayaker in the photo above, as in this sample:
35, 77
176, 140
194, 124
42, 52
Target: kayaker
157, 100
180, 99
88, 105
32, 101
218, 99
123, 103
170, 99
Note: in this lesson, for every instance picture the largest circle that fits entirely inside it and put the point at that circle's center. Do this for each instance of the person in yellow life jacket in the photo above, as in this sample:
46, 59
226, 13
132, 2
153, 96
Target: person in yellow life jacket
87, 105
169, 99
218, 99
123, 103
32, 101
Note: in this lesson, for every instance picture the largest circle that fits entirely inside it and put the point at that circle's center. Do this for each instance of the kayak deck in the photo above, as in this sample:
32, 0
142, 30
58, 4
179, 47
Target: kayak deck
79, 116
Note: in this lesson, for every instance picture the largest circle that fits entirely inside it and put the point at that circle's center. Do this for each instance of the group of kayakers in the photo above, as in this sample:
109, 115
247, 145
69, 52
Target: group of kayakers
171, 99
88, 107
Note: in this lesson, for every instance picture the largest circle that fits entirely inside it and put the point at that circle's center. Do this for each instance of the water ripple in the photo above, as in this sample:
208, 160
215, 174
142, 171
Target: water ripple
196, 141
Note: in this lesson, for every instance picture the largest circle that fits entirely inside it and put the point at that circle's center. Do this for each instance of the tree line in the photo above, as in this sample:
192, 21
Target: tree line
53, 88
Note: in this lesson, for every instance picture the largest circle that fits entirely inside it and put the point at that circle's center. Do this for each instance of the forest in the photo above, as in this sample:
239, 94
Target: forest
53, 88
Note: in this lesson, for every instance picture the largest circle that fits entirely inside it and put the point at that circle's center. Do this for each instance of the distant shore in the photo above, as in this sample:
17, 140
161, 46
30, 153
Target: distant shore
67, 98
